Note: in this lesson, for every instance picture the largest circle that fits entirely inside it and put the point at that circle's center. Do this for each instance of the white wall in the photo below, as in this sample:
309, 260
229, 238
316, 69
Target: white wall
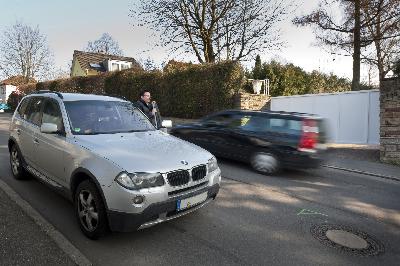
5, 91
351, 117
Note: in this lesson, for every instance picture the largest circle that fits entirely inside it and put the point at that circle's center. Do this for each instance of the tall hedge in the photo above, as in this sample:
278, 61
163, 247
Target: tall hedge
191, 91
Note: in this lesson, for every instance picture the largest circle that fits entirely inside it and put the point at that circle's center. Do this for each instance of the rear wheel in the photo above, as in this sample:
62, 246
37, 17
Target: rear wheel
265, 163
90, 210
17, 169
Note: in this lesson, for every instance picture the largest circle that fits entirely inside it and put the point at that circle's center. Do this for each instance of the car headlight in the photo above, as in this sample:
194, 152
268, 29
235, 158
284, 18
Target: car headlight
212, 164
139, 180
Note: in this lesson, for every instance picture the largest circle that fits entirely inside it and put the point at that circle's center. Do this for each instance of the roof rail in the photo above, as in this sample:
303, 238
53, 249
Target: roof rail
48, 91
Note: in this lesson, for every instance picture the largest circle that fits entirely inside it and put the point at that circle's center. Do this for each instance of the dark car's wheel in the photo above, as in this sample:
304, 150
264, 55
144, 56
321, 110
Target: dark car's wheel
265, 163
17, 169
90, 210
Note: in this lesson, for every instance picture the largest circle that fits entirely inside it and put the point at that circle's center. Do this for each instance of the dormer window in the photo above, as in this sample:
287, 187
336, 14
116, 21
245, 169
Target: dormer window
114, 65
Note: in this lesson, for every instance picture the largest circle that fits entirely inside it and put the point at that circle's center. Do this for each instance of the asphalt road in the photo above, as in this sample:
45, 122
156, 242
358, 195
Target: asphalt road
255, 220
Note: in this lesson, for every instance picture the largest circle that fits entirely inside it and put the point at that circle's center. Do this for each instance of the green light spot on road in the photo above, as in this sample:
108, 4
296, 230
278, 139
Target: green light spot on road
310, 212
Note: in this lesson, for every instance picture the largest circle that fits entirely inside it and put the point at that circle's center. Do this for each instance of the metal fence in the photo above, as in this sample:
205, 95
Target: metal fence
351, 117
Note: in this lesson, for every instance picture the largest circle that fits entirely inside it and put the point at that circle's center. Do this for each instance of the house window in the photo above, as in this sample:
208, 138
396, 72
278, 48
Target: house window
114, 66
124, 66
3, 90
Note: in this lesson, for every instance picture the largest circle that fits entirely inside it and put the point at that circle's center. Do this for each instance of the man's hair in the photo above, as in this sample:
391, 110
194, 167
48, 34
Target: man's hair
143, 92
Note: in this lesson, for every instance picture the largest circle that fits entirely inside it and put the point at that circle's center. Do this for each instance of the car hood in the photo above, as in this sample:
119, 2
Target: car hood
151, 151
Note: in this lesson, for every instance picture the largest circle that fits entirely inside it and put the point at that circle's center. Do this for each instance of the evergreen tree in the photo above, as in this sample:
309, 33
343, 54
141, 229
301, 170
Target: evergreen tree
257, 68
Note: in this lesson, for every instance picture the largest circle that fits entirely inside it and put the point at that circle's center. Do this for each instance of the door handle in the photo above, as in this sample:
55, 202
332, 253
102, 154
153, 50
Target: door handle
36, 141
18, 131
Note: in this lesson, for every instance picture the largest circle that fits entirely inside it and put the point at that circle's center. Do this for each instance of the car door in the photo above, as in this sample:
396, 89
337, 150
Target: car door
257, 135
19, 131
212, 134
50, 148
237, 143
29, 128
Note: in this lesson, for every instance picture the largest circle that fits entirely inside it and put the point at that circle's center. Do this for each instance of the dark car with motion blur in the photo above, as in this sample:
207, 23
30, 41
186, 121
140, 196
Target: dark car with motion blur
268, 140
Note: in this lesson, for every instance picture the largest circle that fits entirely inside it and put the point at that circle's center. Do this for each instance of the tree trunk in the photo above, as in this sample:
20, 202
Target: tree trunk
209, 51
357, 47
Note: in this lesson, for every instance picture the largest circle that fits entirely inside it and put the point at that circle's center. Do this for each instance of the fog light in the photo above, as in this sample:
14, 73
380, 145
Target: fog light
138, 199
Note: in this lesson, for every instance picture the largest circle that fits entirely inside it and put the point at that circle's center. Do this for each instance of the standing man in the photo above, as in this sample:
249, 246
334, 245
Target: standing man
148, 108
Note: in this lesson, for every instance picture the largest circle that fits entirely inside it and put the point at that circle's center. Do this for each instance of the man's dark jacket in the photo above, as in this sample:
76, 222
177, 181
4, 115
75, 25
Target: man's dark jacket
147, 110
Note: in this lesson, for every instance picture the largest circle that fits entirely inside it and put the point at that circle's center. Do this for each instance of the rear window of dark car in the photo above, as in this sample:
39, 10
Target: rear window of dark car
264, 123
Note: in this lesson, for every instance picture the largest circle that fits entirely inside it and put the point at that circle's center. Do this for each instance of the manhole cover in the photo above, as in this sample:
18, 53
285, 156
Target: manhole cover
347, 239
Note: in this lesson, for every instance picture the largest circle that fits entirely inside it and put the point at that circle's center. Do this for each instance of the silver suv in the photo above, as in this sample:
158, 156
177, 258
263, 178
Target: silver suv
120, 171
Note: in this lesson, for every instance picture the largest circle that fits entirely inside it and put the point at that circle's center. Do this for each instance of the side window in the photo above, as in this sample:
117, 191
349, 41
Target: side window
238, 121
52, 114
255, 123
285, 126
33, 114
23, 108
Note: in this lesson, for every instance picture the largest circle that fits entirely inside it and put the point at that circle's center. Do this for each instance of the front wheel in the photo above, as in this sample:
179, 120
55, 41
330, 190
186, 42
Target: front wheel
265, 163
90, 210
17, 169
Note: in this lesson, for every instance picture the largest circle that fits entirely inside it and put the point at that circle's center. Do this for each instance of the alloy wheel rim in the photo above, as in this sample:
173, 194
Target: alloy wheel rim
88, 214
15, 161
265, 163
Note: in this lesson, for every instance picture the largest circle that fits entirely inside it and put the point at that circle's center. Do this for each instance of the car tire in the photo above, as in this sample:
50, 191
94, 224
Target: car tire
16, 160
90, 210
265, 163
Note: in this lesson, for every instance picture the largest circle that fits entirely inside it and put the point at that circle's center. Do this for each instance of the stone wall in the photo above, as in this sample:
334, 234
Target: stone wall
248, 101
390, 121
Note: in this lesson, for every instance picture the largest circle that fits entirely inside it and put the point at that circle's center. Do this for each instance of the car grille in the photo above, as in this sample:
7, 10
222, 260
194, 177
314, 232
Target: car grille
179, 191
178, 178
199, 172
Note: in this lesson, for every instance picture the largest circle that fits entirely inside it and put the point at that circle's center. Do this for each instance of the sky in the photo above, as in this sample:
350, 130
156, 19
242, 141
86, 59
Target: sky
69, 25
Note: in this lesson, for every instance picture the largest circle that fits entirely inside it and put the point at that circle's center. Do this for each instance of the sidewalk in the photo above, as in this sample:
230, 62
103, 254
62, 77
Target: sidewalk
27, 239
363, 160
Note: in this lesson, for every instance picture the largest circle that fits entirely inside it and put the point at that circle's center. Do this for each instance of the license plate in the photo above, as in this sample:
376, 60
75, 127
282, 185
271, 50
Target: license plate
189, 202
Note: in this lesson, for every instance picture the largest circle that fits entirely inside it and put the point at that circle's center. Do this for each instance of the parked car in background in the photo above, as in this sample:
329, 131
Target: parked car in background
269, 141
4, 107
107, 157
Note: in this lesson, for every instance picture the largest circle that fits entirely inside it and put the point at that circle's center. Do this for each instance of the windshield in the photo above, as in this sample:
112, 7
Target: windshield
105, 117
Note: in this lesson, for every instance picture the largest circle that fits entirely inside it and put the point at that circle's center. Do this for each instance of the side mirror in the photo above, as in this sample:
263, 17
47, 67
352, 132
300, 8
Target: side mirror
166, 123
48, 128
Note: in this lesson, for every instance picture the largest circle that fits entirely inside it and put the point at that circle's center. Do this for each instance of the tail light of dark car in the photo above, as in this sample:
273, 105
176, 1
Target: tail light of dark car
309, 135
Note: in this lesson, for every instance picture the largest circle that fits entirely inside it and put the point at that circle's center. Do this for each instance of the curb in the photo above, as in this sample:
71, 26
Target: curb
63, 243
362, 172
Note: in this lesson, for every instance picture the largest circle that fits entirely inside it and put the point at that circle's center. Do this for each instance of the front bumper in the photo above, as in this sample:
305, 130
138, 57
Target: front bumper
157, 212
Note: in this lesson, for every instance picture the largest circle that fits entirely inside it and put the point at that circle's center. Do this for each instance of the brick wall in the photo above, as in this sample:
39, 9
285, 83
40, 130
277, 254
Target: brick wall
390, 121
248, 101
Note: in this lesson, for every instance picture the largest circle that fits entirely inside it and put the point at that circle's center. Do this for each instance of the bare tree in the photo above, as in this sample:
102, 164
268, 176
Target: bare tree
24, 51
148, 64
215, 29
362, 23
105, 44
382, 32
338, 32
396, 68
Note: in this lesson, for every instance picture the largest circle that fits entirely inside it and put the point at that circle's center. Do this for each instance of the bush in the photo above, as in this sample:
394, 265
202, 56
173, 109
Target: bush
13, 99
182, 90
190, 92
